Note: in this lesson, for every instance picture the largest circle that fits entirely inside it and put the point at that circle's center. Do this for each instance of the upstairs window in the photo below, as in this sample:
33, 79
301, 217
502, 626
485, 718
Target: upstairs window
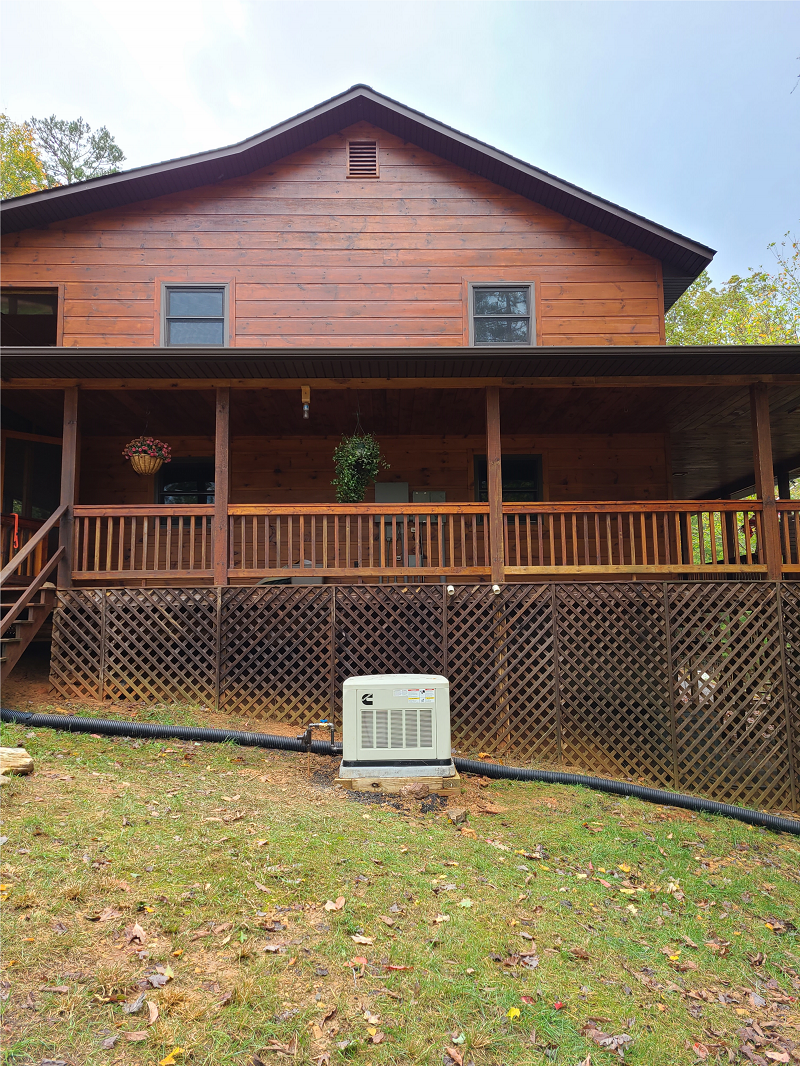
501, 314
29, 318
195, 316
362, 159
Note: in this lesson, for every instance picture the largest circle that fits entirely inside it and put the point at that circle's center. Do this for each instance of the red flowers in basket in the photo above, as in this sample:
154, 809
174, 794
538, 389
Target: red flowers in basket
151, 446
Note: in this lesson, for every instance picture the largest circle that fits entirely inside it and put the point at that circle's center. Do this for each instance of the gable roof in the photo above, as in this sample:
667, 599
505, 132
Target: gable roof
682, 258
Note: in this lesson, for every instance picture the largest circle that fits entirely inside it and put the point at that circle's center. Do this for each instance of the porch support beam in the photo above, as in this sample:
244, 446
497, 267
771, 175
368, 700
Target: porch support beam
222, 483
69, 477
765, 478
494, 482
291, 384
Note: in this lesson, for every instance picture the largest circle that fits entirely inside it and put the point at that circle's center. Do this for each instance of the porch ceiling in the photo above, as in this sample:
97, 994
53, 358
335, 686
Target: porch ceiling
709, 427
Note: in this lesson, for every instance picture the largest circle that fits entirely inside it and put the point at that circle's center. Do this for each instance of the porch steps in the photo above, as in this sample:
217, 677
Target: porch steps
24, 629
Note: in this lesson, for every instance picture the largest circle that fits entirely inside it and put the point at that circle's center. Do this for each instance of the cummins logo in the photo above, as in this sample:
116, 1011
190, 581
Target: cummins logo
366, 699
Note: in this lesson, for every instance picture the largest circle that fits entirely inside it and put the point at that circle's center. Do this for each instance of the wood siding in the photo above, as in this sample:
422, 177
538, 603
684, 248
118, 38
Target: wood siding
621, 466
316, 259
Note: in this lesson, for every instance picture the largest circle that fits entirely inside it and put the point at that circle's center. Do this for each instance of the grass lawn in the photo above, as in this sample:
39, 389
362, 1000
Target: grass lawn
168, 895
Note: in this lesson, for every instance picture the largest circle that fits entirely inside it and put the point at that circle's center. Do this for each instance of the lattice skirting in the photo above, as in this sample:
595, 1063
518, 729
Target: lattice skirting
693, 686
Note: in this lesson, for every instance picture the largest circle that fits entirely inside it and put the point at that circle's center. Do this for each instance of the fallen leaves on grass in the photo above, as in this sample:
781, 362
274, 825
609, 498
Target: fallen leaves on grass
779, 926
170, 1060
107, 914
337, 906
136, 1037
289, 1050
162, 975
135, 932
603, 1040
134, 1006
357, 938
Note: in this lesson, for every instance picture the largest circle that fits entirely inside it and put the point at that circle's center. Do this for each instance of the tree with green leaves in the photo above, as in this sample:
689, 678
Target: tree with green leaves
762, 308
21, 167
72, 152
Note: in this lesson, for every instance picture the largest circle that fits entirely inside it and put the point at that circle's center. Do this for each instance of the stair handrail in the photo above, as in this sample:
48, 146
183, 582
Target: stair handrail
30, 592
17, 560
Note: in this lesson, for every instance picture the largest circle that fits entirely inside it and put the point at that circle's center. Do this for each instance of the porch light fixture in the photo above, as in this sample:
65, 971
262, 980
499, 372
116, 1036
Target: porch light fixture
305, 396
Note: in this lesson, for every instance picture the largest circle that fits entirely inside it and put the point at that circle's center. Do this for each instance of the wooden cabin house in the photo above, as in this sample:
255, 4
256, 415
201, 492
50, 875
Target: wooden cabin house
576, 520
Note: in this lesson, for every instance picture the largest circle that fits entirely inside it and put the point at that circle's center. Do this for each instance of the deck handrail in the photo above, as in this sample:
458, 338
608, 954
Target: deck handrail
38, 537
417, 540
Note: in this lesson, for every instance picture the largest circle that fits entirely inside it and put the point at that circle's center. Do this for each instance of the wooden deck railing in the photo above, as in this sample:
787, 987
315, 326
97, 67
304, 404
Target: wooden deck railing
142, 541
660, 537
366, 540
437, 540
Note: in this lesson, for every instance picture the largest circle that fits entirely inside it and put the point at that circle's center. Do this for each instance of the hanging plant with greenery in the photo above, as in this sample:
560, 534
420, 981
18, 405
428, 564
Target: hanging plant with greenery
358, 462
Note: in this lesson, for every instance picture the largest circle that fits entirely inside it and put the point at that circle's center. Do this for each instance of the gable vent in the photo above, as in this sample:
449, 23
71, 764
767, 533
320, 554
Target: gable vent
362, 159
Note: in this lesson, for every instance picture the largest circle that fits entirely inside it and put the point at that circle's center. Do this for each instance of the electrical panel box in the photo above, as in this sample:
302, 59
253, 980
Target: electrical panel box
396, 725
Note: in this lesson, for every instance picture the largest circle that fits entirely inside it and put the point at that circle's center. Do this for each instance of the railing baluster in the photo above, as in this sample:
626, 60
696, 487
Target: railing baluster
85, 534
109, 541
621, 540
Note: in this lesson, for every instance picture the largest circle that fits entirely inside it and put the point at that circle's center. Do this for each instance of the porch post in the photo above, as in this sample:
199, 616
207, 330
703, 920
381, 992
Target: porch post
494, 483
765, 478
69, 467
221, 485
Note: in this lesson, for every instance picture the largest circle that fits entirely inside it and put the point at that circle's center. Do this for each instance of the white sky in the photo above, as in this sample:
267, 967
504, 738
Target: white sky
681, 111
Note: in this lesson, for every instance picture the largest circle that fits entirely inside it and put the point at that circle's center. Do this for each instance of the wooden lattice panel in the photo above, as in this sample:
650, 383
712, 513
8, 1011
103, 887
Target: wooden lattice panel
502, 671
790, 603
614, 681
161, 644
76, 655
391, 629
276, 652
730, 703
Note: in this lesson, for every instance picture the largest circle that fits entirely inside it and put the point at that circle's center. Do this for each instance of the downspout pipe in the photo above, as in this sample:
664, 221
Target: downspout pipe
153, 731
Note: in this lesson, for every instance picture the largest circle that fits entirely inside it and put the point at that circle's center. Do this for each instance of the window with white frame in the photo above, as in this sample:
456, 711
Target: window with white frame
195, 316
501, 314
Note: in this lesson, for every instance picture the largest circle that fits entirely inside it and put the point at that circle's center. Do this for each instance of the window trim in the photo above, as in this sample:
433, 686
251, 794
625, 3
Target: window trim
529, 285
167, 286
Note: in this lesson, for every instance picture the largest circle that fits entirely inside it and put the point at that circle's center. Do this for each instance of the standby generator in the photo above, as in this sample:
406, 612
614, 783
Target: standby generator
396, 730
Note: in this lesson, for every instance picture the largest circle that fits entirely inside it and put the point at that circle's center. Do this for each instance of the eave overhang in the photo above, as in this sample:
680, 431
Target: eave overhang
682, 259
723, 362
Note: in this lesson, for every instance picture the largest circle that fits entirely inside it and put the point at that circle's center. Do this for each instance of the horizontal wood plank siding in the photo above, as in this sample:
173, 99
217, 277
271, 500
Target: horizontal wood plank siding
264, 470
325, 261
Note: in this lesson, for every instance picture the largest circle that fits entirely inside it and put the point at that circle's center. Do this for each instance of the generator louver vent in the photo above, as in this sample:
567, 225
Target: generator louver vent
409, 728
362, 159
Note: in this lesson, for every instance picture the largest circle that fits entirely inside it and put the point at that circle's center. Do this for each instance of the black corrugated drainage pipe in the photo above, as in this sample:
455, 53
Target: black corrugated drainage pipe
151, 731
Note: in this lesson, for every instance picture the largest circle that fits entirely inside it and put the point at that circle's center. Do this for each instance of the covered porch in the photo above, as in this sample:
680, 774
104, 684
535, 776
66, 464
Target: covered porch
488, 481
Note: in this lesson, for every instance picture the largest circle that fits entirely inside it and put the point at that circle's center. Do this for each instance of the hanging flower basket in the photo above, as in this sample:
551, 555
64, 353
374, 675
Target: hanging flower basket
147, 454
358, 462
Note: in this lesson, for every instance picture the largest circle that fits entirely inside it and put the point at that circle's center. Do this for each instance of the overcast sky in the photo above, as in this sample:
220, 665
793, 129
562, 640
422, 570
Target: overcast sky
680, 111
